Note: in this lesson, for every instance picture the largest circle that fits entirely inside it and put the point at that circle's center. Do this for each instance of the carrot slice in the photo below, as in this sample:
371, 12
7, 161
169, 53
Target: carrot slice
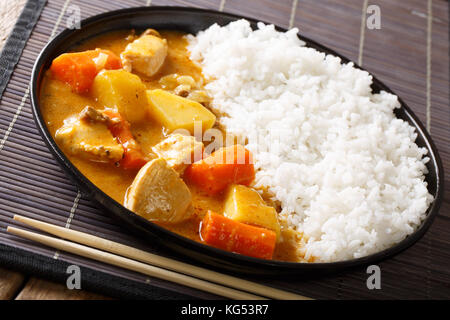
224, 167
120, 128
79, 69
133, 158
227, 234
76, 69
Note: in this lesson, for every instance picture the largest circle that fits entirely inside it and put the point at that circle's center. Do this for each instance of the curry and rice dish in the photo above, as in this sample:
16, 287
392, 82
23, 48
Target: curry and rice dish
243, 140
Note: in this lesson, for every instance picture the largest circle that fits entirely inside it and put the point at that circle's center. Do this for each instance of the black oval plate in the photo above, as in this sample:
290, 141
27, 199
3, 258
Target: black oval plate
193, 20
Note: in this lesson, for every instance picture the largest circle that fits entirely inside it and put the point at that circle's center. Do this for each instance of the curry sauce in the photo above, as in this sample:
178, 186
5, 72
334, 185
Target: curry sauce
59, 102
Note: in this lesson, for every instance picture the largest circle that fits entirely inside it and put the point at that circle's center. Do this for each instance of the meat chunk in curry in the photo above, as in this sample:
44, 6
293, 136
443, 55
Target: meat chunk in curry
179, 151
87, 135
145, 55
159, 194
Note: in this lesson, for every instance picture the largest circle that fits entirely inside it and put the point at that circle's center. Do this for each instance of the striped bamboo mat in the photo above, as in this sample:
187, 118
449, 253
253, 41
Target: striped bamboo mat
409, 53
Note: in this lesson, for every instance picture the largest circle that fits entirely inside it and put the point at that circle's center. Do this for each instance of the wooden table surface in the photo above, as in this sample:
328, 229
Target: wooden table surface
16, 286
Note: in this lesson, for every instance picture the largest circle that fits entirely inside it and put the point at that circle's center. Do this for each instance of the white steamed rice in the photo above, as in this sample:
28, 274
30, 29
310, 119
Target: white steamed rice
346, 171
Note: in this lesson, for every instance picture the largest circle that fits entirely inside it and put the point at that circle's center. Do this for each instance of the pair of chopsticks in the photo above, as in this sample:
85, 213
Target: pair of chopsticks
130, 258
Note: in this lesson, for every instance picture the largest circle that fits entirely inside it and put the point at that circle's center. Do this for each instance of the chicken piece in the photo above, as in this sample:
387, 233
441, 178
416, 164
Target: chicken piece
88, 136
90, 114
179, 151
145, 55
158, 194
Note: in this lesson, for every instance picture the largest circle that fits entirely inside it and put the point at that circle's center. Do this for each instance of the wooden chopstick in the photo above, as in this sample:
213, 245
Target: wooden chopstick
129, 264
163, 262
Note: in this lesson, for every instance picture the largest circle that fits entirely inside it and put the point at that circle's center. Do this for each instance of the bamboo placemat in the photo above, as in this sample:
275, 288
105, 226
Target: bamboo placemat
409, 53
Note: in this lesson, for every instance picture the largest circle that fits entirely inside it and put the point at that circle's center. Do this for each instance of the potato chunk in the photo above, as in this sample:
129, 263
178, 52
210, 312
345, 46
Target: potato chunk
145, 55
179, 151
245, 205
175, 112
88, 136
158, 194
123, 91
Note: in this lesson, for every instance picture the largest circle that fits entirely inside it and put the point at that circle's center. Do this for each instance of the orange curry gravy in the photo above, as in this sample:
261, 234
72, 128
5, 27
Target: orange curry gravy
58, 102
